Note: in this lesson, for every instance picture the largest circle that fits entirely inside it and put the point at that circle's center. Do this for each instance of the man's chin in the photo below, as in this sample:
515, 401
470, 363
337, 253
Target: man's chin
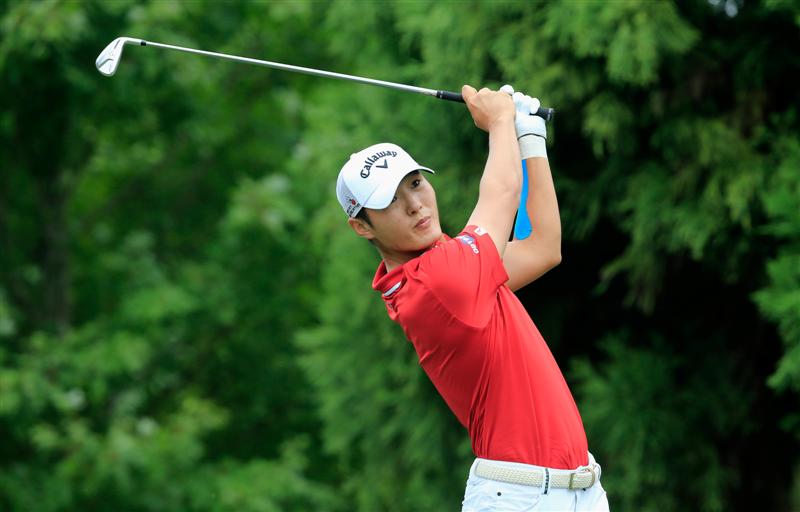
423, 241
432, 237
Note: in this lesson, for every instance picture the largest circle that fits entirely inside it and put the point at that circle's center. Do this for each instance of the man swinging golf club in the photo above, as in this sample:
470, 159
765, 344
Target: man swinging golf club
454, 299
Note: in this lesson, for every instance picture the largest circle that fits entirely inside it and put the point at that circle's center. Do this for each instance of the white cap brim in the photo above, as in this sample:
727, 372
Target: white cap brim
383, 195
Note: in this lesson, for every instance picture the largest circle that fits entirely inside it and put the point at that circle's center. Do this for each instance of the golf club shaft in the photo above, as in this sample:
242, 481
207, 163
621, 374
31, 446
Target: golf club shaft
546, 113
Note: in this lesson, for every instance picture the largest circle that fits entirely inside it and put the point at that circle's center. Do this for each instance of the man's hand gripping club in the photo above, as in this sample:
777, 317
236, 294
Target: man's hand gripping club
531, 129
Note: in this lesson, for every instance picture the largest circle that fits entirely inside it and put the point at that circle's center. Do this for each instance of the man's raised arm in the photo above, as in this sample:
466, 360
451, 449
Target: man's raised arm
527, 260
500, 184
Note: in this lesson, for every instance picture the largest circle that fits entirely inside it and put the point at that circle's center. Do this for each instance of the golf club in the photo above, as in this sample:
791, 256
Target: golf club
108, 61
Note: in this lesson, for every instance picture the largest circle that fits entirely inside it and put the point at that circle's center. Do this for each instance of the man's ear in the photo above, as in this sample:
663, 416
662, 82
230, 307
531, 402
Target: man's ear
361, 228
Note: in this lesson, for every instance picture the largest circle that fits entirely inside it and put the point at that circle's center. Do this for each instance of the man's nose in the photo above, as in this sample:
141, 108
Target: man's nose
414, 205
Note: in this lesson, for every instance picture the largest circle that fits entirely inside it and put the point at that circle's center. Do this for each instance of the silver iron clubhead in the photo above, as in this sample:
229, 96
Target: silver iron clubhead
108, 60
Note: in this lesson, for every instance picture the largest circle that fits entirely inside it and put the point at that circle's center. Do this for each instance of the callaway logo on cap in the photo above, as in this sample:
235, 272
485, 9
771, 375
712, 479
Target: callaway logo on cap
371, 176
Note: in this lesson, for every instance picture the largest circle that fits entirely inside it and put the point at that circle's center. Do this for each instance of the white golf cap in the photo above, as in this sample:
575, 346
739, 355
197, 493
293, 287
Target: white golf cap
371, 176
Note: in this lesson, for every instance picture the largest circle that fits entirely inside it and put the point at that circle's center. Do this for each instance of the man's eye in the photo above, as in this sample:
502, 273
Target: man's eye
415, 183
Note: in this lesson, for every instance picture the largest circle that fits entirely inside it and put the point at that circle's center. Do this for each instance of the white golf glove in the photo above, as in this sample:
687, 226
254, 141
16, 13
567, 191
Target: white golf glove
531, 130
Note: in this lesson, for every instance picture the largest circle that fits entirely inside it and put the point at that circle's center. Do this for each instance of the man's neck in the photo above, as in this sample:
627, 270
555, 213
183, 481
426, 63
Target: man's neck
394, 259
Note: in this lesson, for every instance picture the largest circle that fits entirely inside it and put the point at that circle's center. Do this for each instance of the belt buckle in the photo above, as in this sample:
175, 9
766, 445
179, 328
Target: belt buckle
582, 471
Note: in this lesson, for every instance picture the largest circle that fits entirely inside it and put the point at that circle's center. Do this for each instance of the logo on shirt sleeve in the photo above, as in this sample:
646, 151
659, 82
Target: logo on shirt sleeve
479, 231
468, 240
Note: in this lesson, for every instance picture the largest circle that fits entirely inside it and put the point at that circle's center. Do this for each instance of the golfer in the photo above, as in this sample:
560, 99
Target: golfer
454, 299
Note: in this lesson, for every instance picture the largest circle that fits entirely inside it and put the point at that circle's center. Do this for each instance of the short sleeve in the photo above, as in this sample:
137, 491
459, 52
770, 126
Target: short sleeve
464, 274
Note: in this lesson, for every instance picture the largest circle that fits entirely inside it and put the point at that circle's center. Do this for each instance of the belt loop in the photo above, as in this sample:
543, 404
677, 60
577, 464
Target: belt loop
474, 466
546, 480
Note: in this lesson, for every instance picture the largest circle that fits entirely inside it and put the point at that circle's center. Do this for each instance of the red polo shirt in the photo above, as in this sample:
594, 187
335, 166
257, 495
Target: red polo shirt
483, 353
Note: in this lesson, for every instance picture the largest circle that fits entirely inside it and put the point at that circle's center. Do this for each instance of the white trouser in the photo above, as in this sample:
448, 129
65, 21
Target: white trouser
484, 495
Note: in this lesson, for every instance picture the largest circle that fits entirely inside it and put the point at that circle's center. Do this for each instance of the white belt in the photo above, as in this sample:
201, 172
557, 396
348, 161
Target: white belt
580, 479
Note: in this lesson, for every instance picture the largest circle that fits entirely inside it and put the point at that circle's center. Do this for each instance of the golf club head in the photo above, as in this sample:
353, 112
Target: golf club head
108, 60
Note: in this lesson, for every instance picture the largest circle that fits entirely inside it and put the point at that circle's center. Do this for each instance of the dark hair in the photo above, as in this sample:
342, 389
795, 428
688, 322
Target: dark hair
362, 214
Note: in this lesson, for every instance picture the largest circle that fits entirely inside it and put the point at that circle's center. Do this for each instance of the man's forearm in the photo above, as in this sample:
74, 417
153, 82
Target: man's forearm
542, 206
502, 175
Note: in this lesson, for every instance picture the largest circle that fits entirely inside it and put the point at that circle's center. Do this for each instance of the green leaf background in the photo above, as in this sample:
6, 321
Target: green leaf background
187, 323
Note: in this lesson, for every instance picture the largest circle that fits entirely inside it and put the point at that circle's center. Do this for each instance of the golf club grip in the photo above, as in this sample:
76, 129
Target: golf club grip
545, 113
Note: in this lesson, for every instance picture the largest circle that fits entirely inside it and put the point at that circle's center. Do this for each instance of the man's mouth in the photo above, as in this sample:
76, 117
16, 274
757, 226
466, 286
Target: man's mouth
423, 223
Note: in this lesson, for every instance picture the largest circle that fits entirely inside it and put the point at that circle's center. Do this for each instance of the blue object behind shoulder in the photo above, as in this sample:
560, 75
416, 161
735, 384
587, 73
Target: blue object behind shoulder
522, 226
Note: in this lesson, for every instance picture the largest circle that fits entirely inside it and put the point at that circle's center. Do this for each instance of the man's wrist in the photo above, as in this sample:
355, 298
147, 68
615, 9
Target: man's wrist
532, 146
501, 122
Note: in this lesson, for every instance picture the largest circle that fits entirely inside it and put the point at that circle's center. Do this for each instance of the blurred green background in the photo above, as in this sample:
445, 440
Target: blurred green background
187, 323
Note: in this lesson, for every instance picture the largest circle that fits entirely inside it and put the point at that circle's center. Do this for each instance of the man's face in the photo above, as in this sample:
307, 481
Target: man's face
411, 221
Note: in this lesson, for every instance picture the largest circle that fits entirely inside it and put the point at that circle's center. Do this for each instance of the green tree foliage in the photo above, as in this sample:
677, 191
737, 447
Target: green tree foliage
150, 363
780, 299
187, 323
